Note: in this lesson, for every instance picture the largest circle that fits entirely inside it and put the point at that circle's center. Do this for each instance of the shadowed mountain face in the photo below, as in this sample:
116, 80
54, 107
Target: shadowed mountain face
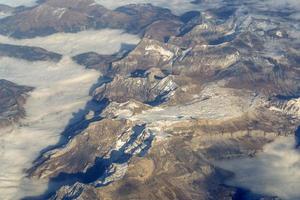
28, 53
194, 100
12, 100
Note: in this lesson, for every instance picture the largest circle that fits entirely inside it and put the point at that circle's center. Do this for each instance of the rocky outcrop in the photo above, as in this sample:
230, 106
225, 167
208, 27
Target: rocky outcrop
76, 192
149, 89
93, 60
288, 106
124, 110
12, 100
149, 53
205, 61
162, 30
28, 53
81, 152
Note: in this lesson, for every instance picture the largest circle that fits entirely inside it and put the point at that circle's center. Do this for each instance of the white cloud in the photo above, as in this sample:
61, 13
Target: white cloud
15, 3
107, 41
276, 171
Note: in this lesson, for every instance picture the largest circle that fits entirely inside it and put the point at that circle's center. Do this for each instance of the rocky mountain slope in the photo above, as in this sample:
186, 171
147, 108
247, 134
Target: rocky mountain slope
28, 53
198, 89
74, 16
12, 100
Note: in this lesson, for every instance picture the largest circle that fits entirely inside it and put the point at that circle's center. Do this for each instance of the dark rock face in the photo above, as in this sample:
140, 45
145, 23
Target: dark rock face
28, 53
93, 60
12, 100
95, 142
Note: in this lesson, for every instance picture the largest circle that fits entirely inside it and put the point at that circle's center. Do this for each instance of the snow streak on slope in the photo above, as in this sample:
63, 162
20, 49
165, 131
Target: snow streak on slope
105, 41
61, 89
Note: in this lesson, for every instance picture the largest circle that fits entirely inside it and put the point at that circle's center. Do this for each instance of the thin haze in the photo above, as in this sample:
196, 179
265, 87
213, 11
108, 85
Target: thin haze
60, 90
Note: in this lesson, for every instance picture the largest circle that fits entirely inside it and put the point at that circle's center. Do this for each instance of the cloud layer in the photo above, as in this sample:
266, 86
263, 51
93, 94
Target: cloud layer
293, 4
15, 3
61, 89
105, 41
276, 171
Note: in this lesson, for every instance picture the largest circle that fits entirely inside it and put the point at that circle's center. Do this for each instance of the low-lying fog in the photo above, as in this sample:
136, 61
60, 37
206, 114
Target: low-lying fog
107, 41
15, 3
274, 172
176, 6
61, 89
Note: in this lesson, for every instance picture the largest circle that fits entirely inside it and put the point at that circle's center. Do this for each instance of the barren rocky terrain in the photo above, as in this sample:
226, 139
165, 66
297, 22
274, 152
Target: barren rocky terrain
178, 112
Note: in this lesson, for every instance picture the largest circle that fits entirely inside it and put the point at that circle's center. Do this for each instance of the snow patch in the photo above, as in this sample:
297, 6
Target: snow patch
165, 54
59, 12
